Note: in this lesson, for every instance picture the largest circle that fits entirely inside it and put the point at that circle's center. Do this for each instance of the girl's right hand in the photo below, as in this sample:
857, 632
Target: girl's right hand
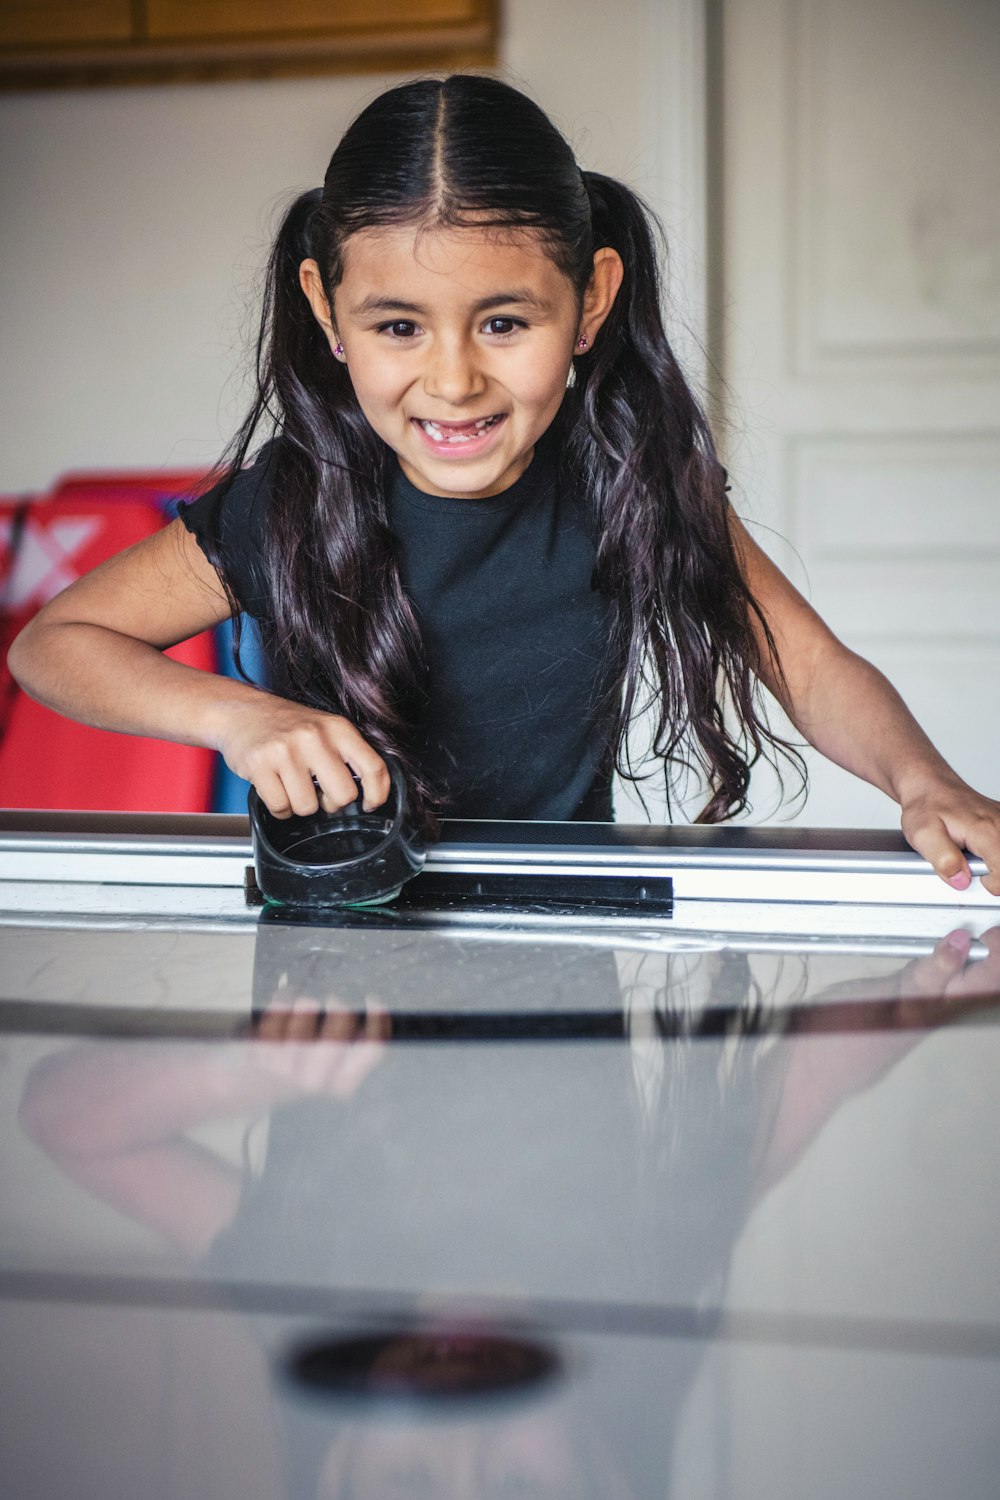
282, 746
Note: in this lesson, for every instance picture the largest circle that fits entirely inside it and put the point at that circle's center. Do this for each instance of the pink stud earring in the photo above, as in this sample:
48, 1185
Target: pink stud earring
339, 350
582, 341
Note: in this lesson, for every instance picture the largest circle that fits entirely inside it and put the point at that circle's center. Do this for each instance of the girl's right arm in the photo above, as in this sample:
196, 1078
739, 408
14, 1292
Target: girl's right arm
96, 653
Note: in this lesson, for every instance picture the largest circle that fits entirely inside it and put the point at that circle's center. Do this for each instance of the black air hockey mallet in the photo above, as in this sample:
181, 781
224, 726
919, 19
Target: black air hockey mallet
346, 858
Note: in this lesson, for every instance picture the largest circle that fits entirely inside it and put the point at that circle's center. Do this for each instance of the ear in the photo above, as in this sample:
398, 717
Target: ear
602, 289
311, 283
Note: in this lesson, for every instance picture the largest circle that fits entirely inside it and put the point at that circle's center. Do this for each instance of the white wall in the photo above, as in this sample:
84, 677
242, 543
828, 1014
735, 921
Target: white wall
861, 345
133, 223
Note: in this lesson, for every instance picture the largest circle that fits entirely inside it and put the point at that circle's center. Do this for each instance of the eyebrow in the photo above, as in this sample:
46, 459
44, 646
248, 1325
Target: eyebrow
518, 297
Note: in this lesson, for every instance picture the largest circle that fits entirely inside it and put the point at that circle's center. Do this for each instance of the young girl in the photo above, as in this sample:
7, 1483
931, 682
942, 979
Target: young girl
489, 525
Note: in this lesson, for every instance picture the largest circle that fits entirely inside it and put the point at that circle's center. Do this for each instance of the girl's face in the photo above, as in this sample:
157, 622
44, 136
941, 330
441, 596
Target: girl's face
458, 343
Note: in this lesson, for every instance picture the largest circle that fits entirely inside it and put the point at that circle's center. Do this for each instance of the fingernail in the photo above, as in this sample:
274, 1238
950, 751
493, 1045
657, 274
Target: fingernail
959, 939
961, 881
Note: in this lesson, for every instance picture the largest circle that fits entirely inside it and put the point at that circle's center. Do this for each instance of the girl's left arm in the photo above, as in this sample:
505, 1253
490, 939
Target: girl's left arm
851, 713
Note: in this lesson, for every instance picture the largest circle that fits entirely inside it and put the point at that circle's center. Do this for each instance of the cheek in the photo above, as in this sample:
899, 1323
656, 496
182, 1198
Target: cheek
540, 381
376, 386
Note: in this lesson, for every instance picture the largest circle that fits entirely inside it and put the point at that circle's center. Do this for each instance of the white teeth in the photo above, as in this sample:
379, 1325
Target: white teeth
434, 431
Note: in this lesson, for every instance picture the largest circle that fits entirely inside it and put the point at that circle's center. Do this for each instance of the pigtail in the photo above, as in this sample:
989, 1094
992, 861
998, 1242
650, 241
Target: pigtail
339, 627
683, 626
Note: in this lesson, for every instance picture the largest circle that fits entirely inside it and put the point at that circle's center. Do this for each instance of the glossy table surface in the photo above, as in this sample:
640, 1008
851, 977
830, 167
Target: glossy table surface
733, 1174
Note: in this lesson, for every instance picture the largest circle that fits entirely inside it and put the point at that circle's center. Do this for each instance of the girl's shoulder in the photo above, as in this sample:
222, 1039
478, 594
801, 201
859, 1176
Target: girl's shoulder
229, 522
235, 506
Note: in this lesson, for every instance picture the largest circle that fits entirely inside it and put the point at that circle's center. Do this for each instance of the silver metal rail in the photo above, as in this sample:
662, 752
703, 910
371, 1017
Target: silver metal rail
730, 864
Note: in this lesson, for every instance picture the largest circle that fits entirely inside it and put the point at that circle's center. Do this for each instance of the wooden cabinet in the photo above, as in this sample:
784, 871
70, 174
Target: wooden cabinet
35, 24
47, 43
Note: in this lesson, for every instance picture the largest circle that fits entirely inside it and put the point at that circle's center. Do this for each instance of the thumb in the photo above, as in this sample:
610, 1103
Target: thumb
932, 839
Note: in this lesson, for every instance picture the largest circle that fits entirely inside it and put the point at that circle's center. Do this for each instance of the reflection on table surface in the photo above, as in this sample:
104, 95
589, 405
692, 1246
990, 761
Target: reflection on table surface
747, 1198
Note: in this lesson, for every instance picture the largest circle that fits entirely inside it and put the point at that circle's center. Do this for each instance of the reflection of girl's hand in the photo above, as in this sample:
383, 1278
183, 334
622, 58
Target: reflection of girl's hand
832, 1057
320, 1048
947, 975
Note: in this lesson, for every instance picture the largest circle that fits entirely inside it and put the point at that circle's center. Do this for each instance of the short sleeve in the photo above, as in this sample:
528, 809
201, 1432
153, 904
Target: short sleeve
229, 522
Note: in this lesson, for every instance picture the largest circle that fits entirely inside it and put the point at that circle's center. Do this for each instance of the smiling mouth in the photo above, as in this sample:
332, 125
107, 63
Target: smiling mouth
458, 432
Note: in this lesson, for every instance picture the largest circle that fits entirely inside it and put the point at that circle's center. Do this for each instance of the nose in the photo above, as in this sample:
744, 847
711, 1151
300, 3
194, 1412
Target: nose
453, 374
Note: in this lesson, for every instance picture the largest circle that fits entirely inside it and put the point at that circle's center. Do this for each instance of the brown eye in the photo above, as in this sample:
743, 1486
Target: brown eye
502, 326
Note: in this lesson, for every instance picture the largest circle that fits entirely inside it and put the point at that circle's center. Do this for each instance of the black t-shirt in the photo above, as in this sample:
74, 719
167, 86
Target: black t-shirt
514, 633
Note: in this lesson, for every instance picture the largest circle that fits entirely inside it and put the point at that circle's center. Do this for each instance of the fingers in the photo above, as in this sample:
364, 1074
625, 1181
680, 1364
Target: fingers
366, 1051
981, 978
961, 821
312, 770
980, 835
271, 791
932, 839
930, 977
314, 775
950, 977
983, 838
321, 1049
300, 759
366, 763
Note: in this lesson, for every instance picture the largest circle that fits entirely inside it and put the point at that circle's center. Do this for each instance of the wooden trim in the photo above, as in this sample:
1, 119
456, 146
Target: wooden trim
194, 21
412, 48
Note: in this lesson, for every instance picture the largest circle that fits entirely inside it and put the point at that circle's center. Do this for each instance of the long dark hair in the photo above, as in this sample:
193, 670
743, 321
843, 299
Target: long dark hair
463, 151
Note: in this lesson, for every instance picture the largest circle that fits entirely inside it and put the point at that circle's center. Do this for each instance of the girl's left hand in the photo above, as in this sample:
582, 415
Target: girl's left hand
942, 821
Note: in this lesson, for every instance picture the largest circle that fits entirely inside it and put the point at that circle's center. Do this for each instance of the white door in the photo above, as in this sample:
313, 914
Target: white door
858, 332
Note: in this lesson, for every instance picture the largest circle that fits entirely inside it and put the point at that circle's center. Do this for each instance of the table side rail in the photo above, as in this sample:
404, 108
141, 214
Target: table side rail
890, 877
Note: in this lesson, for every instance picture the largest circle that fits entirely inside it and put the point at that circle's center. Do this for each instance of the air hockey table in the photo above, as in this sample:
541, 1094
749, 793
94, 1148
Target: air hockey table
519, 1195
